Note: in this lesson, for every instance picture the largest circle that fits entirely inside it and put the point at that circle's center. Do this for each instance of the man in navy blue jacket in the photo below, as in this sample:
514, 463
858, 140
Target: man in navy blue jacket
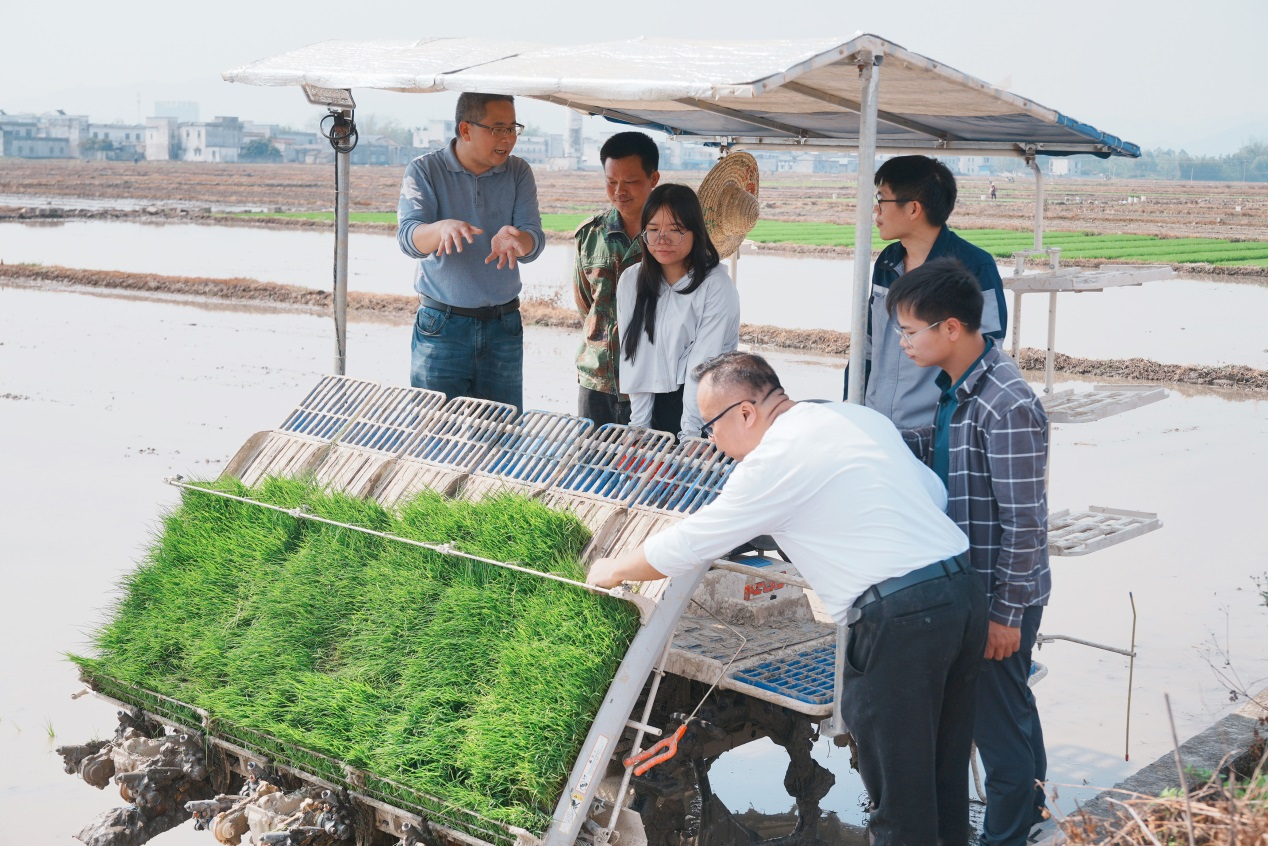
915, 196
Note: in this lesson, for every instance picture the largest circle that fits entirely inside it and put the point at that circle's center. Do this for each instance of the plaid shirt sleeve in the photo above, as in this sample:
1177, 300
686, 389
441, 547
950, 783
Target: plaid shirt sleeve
1016, 456
920, 442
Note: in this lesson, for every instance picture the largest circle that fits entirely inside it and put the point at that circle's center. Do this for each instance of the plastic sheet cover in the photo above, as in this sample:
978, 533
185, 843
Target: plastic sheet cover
800, 92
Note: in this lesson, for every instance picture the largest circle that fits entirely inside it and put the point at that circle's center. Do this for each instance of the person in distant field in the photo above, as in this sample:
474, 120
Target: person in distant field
992, 190
468, 213
607, 245
864, 522
915, 195
675, 309
988, 443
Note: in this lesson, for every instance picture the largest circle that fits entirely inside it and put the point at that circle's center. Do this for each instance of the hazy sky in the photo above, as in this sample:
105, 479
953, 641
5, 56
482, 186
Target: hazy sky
1176, 75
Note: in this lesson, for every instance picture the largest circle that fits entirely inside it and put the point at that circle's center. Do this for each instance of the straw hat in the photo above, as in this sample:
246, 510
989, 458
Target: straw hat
728, 196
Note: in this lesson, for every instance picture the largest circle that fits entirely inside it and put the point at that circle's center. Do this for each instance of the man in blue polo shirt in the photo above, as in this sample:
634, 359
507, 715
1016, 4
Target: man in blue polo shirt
915, 195
469, 214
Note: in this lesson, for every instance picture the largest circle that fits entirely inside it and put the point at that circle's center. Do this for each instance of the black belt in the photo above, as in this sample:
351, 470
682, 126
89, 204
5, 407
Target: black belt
482, 313
937, 570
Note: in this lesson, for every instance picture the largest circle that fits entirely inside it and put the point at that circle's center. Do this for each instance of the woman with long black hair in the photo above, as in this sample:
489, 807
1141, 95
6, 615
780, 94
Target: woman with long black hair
675, 309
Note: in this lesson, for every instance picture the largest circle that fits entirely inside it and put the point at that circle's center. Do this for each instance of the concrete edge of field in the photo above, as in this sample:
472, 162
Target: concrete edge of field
1207, 750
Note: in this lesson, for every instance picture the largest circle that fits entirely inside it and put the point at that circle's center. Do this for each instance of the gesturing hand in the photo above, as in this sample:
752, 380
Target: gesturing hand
453, 233
507, 247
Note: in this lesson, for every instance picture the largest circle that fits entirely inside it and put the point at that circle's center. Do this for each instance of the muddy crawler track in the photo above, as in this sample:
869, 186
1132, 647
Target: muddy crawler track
396, 308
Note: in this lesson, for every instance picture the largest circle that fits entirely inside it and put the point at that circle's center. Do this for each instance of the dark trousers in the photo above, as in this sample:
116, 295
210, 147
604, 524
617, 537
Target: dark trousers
1010, 741
910, 682
667, 412
601, 407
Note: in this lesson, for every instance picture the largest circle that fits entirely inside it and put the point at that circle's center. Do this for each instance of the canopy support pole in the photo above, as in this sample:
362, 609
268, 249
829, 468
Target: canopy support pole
1039, 200
869, 77
1049, 364
343, 171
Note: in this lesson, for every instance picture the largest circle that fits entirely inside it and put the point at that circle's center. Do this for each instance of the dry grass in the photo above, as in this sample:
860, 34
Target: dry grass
1223, 809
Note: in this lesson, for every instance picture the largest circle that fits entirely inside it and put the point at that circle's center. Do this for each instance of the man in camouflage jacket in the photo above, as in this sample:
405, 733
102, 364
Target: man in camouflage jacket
607, 244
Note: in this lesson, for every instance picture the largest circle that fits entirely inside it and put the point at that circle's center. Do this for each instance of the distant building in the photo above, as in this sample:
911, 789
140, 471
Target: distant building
114, 141
540, 149
217, 140
574, 143
434, 134
49, 128
162, 139
20, 138
303, 147
1064, 166
379, 150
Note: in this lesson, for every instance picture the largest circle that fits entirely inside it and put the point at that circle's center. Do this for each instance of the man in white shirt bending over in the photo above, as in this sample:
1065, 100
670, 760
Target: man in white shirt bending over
865, 524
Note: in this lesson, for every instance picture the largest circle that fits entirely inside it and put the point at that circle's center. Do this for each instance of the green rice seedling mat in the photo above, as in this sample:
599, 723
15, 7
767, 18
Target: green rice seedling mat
461, 690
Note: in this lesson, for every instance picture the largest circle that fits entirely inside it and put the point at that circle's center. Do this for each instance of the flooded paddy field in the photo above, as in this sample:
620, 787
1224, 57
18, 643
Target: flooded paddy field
1180, 321
103, 395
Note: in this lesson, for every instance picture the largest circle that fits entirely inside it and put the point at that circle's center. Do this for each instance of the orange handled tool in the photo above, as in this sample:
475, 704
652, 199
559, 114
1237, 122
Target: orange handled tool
658, 754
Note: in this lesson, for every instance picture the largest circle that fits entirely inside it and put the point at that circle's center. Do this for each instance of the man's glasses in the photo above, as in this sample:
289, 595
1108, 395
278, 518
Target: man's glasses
668, 237
706, 431
501, 132
878, 199
911, 338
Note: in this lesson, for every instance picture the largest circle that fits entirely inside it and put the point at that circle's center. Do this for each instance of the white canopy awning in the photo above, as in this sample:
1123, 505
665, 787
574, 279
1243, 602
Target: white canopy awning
802, 93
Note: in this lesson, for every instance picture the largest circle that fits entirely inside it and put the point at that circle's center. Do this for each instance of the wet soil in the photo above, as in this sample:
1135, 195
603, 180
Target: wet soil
395, 308
1167, 209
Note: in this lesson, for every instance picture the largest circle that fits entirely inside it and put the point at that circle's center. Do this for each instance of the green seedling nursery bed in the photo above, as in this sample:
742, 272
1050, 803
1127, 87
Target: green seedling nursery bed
450, 684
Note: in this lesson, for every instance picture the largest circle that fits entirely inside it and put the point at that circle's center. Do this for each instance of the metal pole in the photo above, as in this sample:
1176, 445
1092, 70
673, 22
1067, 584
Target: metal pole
1050, 359
343, 160
869, 77
1039, 201
869, 74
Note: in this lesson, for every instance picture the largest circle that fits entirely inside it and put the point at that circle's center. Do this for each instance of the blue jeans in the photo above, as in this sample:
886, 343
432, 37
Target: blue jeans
463, 356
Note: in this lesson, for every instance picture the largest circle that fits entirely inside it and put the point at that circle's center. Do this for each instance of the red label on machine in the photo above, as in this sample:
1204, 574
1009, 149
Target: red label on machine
759, 589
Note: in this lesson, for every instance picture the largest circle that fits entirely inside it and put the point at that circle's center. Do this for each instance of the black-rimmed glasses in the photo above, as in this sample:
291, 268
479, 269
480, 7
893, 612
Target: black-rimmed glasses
706, 431
878, 199
501, 132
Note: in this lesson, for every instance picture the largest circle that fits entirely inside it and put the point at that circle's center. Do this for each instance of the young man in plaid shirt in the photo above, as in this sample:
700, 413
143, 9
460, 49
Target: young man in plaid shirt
989, 445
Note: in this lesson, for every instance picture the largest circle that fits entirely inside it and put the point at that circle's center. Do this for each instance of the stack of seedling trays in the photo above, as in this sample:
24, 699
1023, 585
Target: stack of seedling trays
607, 471
533, 455
377, 436
448, 446
306, 434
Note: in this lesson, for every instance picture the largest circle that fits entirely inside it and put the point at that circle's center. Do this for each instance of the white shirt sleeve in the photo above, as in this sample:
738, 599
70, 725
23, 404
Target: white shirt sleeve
717, 332
740, 513
641, 407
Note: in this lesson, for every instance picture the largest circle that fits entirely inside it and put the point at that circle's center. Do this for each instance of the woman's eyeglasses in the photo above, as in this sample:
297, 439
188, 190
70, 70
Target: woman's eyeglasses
668, 237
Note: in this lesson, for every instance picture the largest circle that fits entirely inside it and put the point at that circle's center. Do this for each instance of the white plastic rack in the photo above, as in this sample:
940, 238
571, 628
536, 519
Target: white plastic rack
1082, 532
